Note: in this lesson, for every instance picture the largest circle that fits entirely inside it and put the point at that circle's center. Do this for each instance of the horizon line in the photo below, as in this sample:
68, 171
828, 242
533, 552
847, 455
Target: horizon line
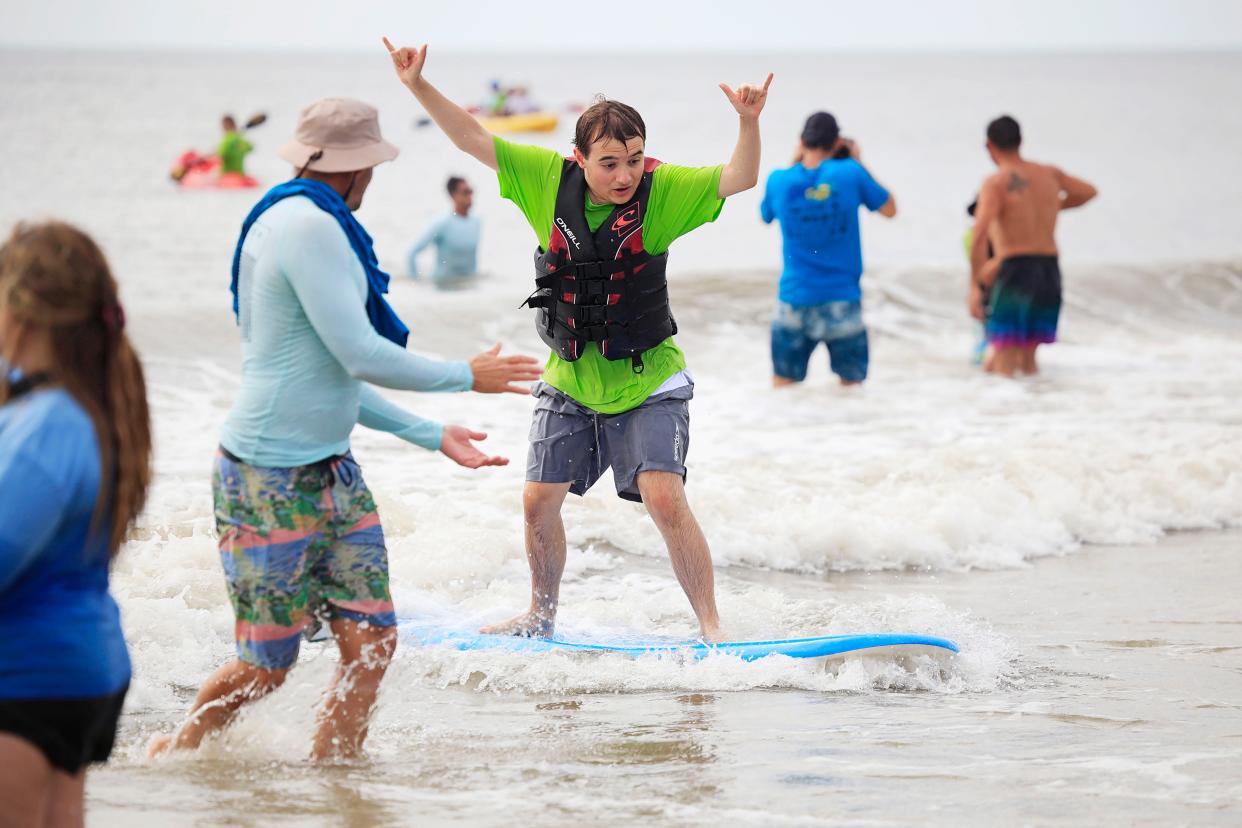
975, 50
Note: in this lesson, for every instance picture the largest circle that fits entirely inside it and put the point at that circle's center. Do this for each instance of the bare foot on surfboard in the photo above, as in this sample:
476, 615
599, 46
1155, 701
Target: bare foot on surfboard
526, 625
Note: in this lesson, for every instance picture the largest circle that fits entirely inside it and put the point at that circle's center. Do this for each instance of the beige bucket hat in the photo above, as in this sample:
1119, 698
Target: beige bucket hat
338, 135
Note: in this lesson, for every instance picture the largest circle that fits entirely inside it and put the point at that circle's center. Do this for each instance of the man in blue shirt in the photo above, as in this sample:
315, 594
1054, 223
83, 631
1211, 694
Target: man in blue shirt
456, 237
817, 201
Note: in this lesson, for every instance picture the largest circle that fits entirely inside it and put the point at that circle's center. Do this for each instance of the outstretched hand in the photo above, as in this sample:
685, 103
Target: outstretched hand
494, 374
749, 99
407, 62
456, 445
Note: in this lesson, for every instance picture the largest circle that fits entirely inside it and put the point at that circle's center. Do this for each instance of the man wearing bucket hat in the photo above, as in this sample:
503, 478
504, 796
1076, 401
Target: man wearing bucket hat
299, 536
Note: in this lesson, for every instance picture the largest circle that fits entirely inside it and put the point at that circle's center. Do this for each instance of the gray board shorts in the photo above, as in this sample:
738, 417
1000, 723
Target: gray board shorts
570, 443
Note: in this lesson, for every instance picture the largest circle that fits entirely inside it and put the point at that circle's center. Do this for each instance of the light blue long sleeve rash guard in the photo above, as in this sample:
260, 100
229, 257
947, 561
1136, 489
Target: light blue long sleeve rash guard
308, 349
457, 242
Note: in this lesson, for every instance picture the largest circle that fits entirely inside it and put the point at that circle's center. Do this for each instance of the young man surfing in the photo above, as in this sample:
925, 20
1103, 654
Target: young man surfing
615, 390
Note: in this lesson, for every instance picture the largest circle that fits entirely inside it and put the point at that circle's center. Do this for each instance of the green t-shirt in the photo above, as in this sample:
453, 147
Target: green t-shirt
682, 198
232, 151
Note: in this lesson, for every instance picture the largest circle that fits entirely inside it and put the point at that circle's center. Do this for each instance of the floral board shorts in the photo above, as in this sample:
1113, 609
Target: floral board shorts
300, 546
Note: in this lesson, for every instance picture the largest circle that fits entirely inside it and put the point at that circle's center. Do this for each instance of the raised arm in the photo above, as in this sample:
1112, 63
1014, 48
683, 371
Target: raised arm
462, 128
1074, 191
742, 171
877, 197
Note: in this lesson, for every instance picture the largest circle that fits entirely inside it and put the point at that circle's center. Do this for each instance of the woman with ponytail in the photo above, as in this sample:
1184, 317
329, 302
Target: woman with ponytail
75, 450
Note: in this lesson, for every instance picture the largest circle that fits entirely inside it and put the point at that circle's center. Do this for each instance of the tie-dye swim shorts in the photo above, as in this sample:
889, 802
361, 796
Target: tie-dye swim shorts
300, 546
1025, 302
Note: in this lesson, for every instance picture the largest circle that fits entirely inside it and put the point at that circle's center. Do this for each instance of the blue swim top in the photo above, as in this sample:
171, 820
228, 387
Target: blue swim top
61, 629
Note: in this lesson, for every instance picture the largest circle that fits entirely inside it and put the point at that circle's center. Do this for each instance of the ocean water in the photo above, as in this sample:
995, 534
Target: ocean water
1076, 533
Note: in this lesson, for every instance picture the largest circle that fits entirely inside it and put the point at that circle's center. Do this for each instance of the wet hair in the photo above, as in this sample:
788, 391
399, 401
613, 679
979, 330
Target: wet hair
1004, 133
454, 182
54, 276
608, 119
228, 121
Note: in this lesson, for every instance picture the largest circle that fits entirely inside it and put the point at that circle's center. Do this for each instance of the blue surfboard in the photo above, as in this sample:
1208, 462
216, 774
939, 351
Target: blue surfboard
818, 647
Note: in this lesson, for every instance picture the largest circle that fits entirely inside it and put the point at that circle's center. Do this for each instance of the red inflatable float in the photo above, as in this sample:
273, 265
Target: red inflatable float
202, 172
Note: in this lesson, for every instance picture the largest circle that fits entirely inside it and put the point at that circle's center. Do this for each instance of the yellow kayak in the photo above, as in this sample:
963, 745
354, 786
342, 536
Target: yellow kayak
531, 122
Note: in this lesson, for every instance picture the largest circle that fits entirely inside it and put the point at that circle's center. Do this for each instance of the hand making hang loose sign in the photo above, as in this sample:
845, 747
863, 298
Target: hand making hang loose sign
749, 99
407, 62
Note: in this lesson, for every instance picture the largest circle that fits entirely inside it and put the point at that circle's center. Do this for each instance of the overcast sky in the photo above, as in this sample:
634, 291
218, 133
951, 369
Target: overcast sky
520, 25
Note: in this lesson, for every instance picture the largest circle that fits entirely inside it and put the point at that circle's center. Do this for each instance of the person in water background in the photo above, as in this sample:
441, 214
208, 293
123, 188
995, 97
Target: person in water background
519, 102
75, 464
497, 99
816, 201
300, 539
506, 100
233, 148
455, 236
977, 296
616, 390
1017, 212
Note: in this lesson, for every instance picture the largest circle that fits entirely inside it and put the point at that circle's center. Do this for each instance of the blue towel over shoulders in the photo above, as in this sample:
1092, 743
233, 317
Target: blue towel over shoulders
384, 319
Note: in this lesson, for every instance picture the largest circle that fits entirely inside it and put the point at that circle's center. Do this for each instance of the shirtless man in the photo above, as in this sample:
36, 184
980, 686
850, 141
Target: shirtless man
1017, 210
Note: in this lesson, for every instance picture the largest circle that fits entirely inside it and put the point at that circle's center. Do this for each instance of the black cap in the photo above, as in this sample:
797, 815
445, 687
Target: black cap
821, 131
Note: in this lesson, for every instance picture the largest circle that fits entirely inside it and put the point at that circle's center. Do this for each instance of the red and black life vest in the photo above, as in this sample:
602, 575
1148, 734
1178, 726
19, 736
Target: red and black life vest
600, 287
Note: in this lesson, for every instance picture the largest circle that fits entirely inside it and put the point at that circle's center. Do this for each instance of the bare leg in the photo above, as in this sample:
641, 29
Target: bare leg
545, 552
24, 784
66, 805
664, 495
782, 382
1028, 360
223, 694
1006, 361
366, 652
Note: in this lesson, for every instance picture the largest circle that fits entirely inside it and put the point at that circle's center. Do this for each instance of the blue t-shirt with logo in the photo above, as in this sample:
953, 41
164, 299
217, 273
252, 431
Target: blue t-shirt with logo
61, 630
818, 212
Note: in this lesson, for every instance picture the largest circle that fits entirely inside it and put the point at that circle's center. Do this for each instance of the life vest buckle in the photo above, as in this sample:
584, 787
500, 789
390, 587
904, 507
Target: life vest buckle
589, 271
592, 292
590, 315
594, 333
